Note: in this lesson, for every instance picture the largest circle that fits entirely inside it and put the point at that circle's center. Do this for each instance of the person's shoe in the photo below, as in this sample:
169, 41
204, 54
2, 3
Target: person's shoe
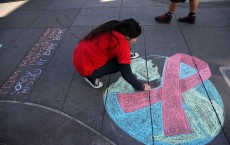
188, 19
95, 83
134, 55
165, 18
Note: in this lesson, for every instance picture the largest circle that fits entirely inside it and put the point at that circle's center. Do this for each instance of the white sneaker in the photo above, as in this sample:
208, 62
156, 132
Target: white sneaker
134, 55
94, 83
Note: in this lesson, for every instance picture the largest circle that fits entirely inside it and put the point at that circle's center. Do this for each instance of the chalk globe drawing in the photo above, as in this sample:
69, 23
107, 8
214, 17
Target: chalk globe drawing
199, 125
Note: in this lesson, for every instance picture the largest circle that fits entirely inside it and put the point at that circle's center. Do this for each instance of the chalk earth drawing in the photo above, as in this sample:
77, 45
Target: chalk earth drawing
181, 110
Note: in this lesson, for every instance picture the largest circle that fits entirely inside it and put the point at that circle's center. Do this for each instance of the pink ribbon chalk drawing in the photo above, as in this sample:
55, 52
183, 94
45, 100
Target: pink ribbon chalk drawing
170, 93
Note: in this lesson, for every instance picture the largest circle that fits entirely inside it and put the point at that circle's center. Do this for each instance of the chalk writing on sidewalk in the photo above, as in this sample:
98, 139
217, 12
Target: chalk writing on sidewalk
26, 74
180, 108
25, 81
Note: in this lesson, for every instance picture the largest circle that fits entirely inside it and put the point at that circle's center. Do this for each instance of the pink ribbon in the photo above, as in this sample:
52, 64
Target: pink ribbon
170, 93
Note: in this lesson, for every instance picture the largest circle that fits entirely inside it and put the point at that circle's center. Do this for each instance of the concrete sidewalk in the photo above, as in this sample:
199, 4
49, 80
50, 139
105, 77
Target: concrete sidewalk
44, 101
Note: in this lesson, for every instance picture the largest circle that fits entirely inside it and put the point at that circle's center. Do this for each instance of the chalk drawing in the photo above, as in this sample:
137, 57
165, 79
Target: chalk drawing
23, 78
181, 110
26, 80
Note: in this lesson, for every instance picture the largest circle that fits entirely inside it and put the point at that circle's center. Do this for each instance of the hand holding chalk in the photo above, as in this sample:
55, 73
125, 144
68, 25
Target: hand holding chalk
147, 87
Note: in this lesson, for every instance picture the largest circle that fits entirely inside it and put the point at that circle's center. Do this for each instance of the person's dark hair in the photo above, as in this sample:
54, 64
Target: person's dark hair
127, 27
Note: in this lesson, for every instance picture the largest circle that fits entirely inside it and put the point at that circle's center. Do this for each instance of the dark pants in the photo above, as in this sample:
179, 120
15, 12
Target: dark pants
110, 67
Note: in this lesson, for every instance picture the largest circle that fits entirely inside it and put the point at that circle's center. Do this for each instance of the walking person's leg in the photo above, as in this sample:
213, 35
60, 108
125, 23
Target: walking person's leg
191, 17
193, 5
172, 7
167, 17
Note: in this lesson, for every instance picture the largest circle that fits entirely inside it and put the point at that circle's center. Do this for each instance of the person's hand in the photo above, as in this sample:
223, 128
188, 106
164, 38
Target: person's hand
147, 87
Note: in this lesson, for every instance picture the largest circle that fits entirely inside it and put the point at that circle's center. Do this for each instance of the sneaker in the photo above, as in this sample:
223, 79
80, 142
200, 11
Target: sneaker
188, 19
165, 18
134, 55
95, 83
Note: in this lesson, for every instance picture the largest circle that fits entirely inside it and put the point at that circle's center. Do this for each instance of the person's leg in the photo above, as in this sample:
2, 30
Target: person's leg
193, 5
109, 68
191, 17
167, 17
172, 7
